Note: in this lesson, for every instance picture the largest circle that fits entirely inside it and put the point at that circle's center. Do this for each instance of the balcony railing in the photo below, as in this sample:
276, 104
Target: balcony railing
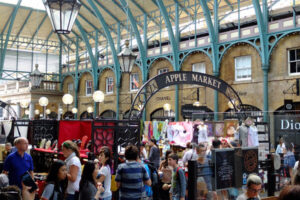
25, 86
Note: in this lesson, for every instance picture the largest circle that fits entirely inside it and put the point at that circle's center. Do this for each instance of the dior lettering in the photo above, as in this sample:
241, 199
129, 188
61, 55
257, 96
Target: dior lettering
175, 78
289, 125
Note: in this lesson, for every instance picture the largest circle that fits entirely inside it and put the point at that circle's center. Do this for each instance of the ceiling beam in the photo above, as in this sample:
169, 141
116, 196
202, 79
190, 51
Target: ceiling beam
143, 10
229, 4
37, 30
184, 9
172, 18
92, 12
21, 29
119, 6
13, 17
6, 23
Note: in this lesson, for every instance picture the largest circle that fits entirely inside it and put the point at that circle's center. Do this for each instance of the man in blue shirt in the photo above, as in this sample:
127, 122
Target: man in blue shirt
19, 162
131, 176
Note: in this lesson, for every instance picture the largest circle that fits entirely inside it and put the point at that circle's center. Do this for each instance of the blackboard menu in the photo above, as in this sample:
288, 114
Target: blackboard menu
224, 169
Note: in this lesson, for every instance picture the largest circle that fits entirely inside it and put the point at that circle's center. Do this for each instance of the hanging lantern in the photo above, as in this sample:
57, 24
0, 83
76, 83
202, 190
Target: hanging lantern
126, 58
62, 14
36, 77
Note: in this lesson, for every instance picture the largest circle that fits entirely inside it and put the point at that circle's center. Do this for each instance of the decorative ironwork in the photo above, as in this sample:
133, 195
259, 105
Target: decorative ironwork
115, 134
161, 81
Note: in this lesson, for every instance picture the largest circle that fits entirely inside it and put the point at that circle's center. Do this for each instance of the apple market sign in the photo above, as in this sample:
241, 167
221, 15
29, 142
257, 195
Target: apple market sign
161, 81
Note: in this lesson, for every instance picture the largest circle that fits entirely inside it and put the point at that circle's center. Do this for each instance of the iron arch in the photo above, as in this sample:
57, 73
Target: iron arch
65, 77
162, 57
192, 52
279, 38
235, 43
155, 84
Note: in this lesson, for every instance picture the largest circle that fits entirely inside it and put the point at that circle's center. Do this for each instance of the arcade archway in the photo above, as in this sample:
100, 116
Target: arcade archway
155, 84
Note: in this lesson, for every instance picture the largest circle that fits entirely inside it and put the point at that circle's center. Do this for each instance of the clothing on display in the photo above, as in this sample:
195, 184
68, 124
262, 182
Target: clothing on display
202, 133
252, 136
243, 135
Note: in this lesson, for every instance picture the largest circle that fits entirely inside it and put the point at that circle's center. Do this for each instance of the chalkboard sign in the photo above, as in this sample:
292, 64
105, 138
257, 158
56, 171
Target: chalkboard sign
224, 168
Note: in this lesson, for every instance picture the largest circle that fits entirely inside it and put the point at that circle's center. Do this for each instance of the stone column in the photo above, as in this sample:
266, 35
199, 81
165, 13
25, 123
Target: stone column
31, 110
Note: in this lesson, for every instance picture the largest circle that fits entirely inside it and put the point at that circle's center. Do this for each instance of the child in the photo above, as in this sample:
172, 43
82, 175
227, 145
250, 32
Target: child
178, 183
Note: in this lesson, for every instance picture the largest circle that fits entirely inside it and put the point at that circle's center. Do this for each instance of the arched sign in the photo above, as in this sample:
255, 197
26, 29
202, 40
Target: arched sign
161, 81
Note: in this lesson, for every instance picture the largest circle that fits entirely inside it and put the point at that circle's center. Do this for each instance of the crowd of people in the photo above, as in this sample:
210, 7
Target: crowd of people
135, 178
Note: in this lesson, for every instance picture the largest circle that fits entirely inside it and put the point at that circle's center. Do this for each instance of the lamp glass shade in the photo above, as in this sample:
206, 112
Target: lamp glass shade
36, 77
126, 58
24, 104
62, 14
48, 111
60, 110
37, 112
167, 107
74, 110
90, 109
196, 103
98, 96
26, 112
67, 99
43, 101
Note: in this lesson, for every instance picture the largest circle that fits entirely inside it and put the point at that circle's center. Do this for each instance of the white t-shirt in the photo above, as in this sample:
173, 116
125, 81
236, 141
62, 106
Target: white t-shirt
105, 171
73, 186
190, 155
245, 197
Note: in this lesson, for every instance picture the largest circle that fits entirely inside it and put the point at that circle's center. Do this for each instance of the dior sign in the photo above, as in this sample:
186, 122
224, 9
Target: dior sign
286, 124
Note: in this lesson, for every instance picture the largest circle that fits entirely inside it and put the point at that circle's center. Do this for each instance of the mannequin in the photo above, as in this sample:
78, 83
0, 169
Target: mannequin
202, 132
247, 132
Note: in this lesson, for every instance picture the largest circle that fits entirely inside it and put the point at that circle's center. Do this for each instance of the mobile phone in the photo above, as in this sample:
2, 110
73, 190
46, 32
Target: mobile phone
28, 181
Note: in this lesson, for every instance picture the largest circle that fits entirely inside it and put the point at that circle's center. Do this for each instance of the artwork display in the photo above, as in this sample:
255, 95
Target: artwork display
230, 126
219, 129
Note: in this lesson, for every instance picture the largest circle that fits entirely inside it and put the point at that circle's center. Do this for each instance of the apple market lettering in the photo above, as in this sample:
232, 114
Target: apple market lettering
289, 125
192, 78
206, 80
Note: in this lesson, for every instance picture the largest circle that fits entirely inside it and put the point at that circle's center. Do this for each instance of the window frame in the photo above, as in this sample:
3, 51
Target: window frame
131, 82
86, 87
70, 91
244, 68
162, 70
296, 60
108, 81
202, 65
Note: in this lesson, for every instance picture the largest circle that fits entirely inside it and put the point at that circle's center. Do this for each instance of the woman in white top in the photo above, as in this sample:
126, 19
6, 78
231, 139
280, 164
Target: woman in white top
281, 147
105, 172
71, 153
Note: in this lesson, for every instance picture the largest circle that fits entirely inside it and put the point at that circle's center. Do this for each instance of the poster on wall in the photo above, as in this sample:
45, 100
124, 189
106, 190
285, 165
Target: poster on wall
224, 168
230, 126
219, 129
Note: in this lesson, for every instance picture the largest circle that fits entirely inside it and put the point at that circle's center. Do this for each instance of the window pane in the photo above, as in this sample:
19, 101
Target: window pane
298, 54
293, 67
292, 55
199, 67
134, 82
298, 66
243, 67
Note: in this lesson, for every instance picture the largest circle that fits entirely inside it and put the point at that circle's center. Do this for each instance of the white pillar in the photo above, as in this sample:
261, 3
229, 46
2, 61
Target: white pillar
31, 110
58, 112
18, 111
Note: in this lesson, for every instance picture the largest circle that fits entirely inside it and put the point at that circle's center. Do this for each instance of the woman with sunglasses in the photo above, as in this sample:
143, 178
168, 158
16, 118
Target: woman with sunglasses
71, 153
105, 172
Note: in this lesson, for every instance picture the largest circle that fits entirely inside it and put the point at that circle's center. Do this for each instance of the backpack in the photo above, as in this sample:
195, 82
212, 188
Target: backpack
153, 174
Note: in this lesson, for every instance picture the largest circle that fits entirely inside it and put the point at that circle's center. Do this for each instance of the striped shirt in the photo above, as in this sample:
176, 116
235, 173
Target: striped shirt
131, 175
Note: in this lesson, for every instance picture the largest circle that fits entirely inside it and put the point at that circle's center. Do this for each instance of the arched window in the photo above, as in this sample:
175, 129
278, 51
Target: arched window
248, 110
161, 115
108, 114
86, 115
